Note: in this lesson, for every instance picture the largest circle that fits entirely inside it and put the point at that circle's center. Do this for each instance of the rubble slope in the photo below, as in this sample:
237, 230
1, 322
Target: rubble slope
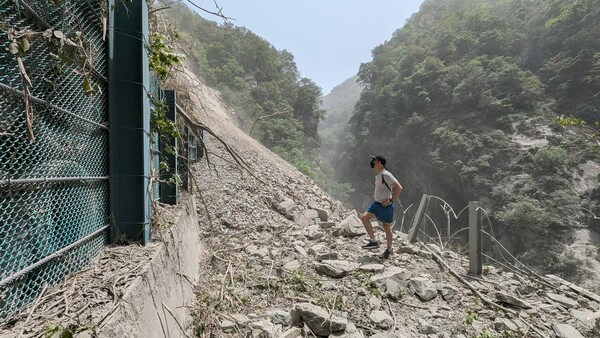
285, 261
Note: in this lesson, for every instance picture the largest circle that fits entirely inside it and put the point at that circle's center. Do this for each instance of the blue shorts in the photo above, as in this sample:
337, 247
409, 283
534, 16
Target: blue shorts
383, 214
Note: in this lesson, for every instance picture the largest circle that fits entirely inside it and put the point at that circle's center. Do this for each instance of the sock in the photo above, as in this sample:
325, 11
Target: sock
372, 240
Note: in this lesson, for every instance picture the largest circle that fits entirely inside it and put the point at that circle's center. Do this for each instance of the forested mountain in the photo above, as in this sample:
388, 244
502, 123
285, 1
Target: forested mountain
260, 83
462, 100
339, 103
338, 106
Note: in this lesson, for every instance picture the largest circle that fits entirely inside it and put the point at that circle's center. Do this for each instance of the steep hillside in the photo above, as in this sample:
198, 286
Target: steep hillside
339, 103
286, 262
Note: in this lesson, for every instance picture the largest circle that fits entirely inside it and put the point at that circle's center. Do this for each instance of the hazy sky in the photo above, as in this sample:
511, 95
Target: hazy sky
329, 39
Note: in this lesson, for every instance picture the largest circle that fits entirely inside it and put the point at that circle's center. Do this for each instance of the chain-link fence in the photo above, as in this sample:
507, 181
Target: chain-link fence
53, 144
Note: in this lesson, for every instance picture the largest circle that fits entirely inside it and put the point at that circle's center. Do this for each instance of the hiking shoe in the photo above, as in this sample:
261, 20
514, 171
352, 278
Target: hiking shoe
386, 254
371, 245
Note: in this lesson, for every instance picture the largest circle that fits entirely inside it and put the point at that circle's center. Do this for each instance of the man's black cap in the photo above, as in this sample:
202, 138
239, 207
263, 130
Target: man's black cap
379, 158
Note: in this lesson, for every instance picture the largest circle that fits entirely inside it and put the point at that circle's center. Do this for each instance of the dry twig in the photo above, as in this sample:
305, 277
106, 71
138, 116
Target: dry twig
464, 281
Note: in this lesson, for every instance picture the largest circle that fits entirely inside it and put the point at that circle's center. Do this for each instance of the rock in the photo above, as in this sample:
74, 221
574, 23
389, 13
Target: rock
292, 265
424, 253
286, 207
566, 331
378, 268
409, 249
554, 280
426, 328
317, 319
506, 324
351, 226
264, 329
282, 317
300, 250
313, 232
310, 213
448, 292
315, 249
375, 302
588, 318
336, 268
511, 300
83, 334
388, 335
562, 300
302, 220
227, 325
327, 256
381, 319
351, 332
394, 289
327, 225
323, 214
424, 288
253, 250
294, 332
394, 273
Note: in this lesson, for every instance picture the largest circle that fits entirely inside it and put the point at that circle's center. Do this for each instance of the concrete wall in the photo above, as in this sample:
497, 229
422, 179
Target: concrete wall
166, 284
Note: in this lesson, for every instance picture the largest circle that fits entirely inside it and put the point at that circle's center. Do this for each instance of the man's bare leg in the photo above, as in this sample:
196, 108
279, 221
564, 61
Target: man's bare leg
366, 221
389, 235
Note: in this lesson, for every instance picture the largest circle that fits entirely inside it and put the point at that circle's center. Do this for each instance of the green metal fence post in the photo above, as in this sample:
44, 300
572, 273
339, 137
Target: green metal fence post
168, 189
129, 116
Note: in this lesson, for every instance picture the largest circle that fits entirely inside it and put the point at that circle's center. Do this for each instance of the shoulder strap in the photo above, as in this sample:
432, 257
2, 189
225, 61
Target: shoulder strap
384, 182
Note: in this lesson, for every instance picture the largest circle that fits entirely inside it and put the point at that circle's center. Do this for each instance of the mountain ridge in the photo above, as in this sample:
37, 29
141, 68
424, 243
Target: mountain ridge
284, 253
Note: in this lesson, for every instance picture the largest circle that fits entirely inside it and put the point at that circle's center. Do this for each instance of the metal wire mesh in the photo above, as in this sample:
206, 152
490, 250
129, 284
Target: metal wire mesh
53, 190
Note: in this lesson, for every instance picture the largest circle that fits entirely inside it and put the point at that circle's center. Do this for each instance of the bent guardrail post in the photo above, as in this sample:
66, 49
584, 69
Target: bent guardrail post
475, 263
418, 218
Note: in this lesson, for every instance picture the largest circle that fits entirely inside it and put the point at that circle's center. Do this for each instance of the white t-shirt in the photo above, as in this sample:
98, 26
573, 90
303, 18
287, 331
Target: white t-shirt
382, 192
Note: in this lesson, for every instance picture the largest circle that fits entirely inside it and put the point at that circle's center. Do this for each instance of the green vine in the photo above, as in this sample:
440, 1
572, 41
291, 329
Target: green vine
166, 130
162, 56
55, 331
74, 51
162, 59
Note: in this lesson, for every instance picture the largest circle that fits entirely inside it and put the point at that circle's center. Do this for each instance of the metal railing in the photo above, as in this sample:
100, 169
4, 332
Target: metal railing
53, 144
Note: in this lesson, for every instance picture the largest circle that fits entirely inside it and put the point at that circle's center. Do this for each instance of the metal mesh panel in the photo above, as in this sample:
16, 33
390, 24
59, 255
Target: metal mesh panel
54, 190
157, 95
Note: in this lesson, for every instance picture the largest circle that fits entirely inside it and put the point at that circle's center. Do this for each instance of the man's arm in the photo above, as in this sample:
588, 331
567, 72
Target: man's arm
396, 190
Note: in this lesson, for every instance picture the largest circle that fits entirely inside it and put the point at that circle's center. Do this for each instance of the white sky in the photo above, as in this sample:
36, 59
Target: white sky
329, 39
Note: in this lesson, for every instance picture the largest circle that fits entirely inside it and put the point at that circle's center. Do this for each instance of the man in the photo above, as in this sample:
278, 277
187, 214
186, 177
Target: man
387, 189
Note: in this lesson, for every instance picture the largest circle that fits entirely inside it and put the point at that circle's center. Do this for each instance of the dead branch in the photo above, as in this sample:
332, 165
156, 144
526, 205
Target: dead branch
27, 93
218, 13
464, 281
265, 117
197, 126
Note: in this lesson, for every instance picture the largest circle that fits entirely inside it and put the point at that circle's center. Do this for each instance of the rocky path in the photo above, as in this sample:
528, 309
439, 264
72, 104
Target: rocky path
285, 261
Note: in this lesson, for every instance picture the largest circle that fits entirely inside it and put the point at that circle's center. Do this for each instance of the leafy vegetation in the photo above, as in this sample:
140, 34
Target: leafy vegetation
463, 101
260, 83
